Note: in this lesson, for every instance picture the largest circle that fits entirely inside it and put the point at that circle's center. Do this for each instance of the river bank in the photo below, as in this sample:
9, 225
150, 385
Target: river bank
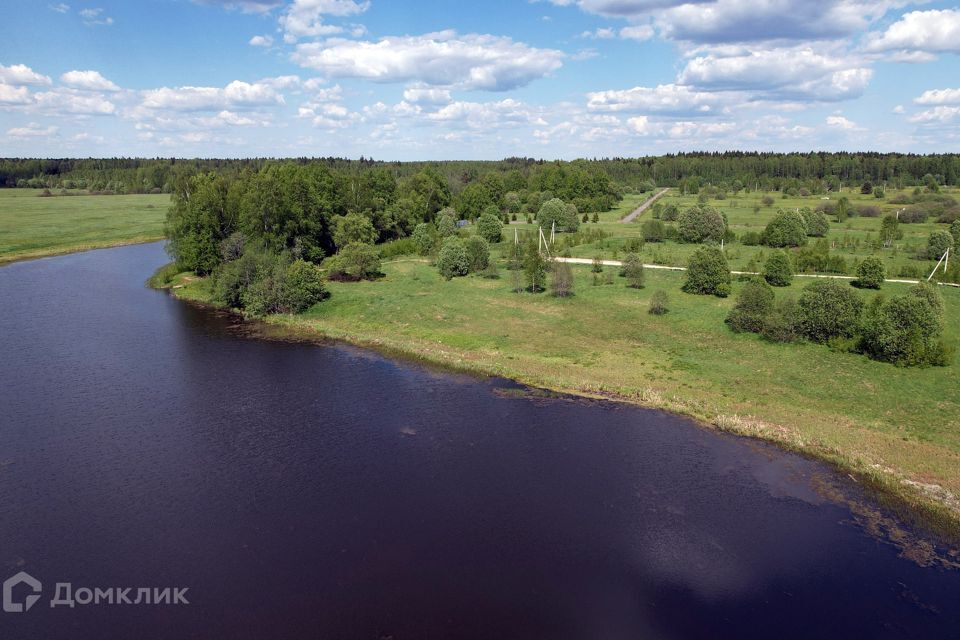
892, 429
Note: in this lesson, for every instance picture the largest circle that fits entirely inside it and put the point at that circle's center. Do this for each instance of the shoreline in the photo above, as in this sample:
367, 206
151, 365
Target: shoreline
80, 248
924, 506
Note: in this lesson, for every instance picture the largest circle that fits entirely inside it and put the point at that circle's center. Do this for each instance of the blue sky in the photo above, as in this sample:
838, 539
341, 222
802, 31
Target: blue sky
429, 79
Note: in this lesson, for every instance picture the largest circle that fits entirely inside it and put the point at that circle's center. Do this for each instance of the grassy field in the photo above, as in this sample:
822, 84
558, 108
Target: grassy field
32, 226
852, 239
897, 428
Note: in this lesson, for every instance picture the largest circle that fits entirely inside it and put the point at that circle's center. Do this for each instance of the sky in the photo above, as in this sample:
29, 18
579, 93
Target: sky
433, 79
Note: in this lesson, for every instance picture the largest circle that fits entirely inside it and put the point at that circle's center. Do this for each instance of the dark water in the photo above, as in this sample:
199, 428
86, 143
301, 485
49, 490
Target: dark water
321, 492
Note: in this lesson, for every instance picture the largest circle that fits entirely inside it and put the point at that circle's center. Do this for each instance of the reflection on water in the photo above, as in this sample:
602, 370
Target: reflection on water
324, 492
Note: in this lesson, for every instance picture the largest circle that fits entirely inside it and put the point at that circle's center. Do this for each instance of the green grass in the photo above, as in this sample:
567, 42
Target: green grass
889, 425
32, 226
851, 239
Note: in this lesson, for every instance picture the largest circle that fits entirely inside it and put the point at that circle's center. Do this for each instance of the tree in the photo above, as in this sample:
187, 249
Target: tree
906, 329
478, 253
303, 287
818, 225
866, 188
447, 223
534, 267
425, 238
829, 309
938, 243
356, 261
871, 273
633, 271
777, 270
754, 303
701, 224
490, 228
198, 221
955, 232
890, 230
561, 284
555, 211
787, 229
708, 273
453, 260
653, 230
474, 198
353, 227
658, 303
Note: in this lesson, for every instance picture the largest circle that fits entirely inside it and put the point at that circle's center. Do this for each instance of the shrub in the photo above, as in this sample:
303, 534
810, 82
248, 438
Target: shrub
447, 223
653, 231
767, 201
777, 270
787, 229
561, 283
232, 279
353, 227
633, 271
303, 287
828, 309
890, 230
597, 266
868, 211
356, 261
478, 253
914, 214
955, 232
938, 243
490, 228
452, 261
870, 273
534, 267
906, 330
818, 225
781, 325
555, 211
701, 224
750, 238
753, 305
658, 303
707, 272
670, 213
425, 238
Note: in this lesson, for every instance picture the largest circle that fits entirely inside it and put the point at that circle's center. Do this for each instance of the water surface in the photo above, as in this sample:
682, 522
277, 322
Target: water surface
325, 492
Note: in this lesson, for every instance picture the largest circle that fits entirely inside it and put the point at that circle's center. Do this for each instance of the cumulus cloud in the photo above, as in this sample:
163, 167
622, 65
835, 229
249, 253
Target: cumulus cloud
60, 8
840, 122
10, 95
939, 96
444, 59
637, 32
494, 115
95, 17
779, 73
664, 98
32, 130
21, 74
247, 6
305, 18
66, 101
261, 41
421, 94
941, 114
924, 31
236, 94
87, 80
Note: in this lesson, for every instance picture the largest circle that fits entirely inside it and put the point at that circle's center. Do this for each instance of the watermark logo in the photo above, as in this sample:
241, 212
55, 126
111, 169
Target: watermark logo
22, 578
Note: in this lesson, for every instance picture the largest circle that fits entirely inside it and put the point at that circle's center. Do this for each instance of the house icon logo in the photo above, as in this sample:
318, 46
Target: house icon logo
11, 606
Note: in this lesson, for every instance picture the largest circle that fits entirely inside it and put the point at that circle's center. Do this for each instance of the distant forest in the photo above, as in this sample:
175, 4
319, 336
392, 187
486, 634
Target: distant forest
729, 170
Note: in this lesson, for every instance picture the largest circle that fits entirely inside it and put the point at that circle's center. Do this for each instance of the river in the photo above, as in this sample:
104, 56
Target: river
301, 491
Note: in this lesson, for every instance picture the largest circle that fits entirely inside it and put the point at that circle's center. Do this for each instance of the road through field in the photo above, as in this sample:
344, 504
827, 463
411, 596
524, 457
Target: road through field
636, 212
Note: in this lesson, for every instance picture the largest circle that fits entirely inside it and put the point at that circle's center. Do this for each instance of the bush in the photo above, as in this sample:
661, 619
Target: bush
915, 214
906, 330
870, 273
490, 228
555, 211
750, 238
781, 325
955, 232
303, 287
356, 261
818, 225
868, 211
777, 270
353, 227
787, 229
633, 271
767, 201
829, 309
452, 261
478, 253
701, 224
658, 303
938, 243
670, 213
707, 272
231, 280
561, 283
753, 305
447, 223
534, 267
425, 238
653, 231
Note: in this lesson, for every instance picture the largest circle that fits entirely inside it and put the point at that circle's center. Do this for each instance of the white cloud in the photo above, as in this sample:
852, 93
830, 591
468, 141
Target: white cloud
95, 17
637, 32
439, 59
261, 41
236, 94
304, 18
899, 109
87, 80
840, 122
488, 115
939, 96
604, 33
10, 95
664, 98
779, 73
60, 8
939, 114
926, 31
421, 94
32, 130
21, 74
67, 101
247, 6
